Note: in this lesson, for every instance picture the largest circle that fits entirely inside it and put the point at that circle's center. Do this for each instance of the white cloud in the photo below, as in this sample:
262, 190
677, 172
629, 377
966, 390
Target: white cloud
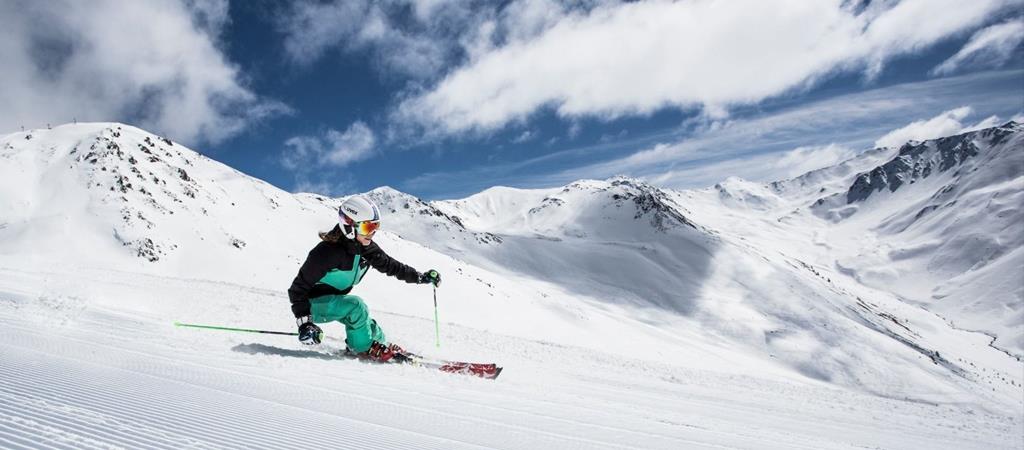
524, 137
154, 64
764, 168
526, 19
805, 159
334, 148
209, 15
312, 28
329, 186
851, 121
417, 39
307, 157
354, 144
990, 47
612, 137
574, 130
416, 47
988, 122
631, 58
945, 124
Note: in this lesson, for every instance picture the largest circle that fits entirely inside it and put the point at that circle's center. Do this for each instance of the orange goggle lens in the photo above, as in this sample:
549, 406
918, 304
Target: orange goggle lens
367, 228
364, 228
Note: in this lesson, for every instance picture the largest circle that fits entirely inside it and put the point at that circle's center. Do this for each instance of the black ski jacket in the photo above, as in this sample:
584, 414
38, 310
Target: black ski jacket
333, 268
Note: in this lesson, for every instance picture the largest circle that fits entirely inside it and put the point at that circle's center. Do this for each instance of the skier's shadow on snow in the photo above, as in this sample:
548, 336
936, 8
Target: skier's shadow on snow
260, 349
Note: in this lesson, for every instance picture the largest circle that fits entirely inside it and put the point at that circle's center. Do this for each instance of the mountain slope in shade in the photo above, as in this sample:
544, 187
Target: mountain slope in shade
620, 240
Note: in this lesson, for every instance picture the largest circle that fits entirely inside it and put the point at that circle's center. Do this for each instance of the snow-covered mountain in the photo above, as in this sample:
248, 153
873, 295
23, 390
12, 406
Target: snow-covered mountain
619, 241
947, 218
937, 223
113, 195
895, 242
900, 261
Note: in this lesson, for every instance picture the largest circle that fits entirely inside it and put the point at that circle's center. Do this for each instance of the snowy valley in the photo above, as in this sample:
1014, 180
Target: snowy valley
875, 303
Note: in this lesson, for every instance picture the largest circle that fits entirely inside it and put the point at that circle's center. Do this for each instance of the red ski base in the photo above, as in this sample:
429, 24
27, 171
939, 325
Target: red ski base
486, 371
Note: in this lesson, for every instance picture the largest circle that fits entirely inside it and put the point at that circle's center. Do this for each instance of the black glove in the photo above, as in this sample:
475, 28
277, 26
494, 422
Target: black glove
431, 276
309, 333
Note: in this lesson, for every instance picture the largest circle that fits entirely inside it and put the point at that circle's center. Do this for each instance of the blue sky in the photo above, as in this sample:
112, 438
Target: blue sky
444, 98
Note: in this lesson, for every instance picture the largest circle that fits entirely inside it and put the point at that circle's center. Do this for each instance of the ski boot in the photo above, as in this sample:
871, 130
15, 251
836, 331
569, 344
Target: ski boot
380, 352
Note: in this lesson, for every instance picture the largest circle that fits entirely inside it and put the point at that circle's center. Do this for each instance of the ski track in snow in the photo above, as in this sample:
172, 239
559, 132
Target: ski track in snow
106, 378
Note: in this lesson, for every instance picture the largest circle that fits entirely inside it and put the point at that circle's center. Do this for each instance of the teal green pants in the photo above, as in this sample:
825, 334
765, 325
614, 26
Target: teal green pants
360, 329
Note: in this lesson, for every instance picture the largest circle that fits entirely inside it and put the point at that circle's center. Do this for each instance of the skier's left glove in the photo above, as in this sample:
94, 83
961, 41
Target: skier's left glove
309, 333
431, 276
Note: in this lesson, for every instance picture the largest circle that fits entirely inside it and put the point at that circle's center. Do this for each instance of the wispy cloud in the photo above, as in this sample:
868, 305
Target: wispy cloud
334, 186
155, 64
821, 130
334, 148
620, 59
312, 29
406, 39
945, 124
416, 39
853, 120
524, 137
307, 156
210, 16
765, 167
989, 48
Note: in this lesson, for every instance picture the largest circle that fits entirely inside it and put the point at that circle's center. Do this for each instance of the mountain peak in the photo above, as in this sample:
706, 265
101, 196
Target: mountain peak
918, 160
389, 194
624, 179
617, 181
389, 197
387, 190
153, 193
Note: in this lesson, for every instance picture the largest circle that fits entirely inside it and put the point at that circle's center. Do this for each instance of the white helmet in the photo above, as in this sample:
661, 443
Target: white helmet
358, 213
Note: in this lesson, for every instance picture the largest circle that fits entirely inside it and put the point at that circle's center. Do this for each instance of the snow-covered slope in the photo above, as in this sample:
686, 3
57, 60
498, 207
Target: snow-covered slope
709, 315
617, 241
740, 262
947, 214
115, 196
937, 223
112, 196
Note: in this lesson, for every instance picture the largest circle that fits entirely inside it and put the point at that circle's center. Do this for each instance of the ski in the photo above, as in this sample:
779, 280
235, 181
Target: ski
487, 371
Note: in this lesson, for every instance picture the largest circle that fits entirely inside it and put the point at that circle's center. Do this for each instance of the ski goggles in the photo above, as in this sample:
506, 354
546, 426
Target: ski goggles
364, 228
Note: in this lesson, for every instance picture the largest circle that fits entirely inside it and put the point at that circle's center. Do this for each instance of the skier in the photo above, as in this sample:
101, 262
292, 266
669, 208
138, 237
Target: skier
320, 292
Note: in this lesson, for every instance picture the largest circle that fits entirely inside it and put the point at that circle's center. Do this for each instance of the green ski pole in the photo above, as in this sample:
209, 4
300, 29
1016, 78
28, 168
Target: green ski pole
243, 330
437, 328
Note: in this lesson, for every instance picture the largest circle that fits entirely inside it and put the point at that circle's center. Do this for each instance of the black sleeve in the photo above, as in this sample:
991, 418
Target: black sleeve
316, 266
388, 265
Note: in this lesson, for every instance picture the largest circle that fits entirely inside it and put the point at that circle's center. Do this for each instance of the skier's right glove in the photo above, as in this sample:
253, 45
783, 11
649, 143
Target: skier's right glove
309, 333
431, 276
